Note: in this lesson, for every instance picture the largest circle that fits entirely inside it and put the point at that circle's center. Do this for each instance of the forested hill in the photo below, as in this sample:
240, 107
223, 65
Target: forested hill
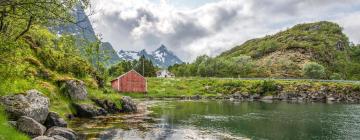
321, 46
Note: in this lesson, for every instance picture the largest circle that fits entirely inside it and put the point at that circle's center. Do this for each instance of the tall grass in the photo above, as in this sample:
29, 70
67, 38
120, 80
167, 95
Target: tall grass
8, 132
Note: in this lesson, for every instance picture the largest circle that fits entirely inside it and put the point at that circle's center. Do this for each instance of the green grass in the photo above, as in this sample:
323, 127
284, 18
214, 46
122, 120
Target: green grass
178, 87
8, 132
110, 95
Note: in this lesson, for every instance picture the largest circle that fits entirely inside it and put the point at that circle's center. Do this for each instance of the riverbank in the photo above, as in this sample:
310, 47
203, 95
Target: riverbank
250, 89
74, 98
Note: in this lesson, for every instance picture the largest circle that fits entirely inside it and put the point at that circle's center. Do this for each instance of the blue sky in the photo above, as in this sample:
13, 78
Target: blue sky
196, 27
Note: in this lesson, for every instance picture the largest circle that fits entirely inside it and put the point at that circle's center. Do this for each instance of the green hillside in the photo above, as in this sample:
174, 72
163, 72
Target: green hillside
285, 54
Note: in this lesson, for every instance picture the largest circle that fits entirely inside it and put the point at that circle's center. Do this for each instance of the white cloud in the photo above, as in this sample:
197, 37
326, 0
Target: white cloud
213, 27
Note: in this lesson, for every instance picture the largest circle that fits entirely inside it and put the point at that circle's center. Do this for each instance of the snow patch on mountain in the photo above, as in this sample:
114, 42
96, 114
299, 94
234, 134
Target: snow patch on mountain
161, 57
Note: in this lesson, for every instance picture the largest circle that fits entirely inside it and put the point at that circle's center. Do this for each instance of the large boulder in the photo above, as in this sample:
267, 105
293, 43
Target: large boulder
67, 133
109, 106
31, 104
88, 110
75, 89
30, 126
128, 105
53, 119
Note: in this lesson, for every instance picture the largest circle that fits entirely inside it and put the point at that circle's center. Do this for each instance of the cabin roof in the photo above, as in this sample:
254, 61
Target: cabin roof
126, 74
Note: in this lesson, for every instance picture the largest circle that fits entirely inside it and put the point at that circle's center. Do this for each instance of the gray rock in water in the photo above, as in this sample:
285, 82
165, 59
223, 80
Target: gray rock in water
109, 106
32, 104
53, 119
30, 126
267, 98
237, 95
75, 89
55, 132
254, 96
196, 97
88, 110
43, 138
128, 105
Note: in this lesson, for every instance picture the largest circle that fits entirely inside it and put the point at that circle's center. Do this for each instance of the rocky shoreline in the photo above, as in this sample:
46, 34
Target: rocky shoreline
304, 97
29, 112
303, 92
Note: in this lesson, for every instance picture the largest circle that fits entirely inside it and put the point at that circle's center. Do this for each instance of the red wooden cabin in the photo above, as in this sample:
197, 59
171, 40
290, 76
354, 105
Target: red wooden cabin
131, 81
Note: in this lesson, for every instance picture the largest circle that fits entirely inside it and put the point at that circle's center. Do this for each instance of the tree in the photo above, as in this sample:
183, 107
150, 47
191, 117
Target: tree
240, 66
116, 70
98, 59
18, 16
313, 70
145, 67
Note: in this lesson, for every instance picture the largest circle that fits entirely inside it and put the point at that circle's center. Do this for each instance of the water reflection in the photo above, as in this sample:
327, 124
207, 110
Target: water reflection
214, 120
262, 120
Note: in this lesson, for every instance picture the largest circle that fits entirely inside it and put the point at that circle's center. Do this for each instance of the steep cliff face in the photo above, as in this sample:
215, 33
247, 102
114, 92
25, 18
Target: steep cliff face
83, 30
110, 53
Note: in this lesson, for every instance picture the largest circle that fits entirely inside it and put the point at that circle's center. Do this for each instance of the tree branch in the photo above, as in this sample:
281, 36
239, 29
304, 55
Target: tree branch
27, 28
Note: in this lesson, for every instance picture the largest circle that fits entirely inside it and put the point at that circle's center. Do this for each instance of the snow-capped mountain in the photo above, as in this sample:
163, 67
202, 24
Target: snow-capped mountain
161, 57
129, 55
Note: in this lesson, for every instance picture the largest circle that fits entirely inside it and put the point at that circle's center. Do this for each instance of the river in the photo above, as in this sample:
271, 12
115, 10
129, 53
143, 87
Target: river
228, 120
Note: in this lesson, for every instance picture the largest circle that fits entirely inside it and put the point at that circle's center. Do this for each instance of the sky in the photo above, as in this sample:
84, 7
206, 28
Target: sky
191, 28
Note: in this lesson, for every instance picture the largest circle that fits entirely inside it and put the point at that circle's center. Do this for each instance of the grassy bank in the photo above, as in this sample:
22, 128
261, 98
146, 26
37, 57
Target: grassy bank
7, 132
178, 87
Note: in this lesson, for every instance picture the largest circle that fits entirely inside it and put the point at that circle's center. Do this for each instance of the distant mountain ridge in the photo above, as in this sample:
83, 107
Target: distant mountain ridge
161, 57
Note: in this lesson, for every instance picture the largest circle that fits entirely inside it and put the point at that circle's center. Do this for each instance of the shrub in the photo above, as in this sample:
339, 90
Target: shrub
268, 87
313, 70
336, 76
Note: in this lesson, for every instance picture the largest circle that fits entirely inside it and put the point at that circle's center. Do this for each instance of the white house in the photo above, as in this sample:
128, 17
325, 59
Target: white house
164, 74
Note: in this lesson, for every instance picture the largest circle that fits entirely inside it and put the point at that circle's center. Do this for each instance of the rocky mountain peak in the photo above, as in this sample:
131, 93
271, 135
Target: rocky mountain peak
162, 57
162, 48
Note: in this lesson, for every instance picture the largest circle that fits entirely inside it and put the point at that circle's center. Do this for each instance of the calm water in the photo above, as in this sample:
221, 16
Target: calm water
179, 120
260, 120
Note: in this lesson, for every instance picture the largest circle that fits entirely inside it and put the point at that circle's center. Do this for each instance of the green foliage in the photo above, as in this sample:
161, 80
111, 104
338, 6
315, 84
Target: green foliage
314, 70
282, 55
8, 132
265, 48
268, 87
120, 68
205, 66
145, 67
60, 54
336, 76
180, 87
18, 16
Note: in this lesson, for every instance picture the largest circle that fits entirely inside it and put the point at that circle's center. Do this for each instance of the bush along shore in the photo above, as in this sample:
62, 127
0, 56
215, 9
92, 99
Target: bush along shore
267, 89
30, 113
